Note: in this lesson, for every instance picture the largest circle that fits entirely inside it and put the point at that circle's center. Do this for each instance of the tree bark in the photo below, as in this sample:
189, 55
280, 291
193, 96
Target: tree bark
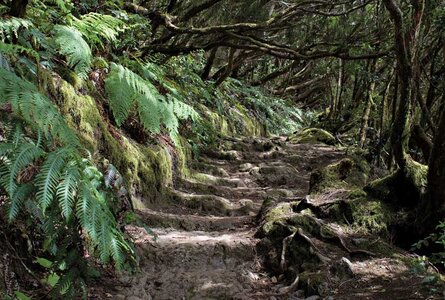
401, 128
433, 209
208, 67
18, 8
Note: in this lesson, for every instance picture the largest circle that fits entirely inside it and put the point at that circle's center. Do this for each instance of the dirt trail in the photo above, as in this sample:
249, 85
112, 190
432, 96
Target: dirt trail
205, 245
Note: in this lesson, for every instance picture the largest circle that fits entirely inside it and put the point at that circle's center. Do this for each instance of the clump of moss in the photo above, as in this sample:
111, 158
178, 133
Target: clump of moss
403, 187
312, 136
99, 63
370, 216
314, 282
147, 169
276, 214
343, 174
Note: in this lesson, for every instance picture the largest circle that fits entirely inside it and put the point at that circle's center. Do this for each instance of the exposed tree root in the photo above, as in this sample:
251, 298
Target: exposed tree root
286, 241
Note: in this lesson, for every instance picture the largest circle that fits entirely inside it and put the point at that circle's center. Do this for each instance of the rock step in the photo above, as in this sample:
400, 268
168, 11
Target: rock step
195, 264
216, 180
257, 194
160, 219
217, 248
215, 205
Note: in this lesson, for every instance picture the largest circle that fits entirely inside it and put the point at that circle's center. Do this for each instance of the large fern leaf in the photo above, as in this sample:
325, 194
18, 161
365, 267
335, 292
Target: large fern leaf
97, 27
24, 155
66, 190
10, 27
36, 109
71, 44
126, 88
49, 176
18, 199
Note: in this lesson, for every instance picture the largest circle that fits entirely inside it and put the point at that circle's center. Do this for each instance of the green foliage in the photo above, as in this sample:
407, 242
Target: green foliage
97, 27
71, 44
435, 240
10, 27
126, 89
69, 192
34, 108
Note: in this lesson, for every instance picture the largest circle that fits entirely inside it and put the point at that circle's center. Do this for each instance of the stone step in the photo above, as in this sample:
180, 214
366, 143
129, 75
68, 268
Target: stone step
214, 205
187, 222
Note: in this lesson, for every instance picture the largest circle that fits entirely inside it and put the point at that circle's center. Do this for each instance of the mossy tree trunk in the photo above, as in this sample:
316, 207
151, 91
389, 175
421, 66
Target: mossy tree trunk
400, 132
433, 209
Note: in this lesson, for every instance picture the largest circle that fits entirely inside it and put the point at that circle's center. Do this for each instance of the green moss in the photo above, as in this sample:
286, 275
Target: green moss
147, 169
100, 63
81, 114
277, 214
403, 187
343, 174
370, 216
312, 136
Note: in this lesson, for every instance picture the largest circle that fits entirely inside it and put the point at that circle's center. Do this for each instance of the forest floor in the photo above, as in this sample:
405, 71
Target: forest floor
204, 244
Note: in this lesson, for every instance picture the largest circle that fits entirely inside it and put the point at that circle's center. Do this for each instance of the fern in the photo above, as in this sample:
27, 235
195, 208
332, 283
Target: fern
34, 108
17, 200
98, 27
66, 190
24, 155
49, 176
16, 50
71, 44
10, 27
126, 89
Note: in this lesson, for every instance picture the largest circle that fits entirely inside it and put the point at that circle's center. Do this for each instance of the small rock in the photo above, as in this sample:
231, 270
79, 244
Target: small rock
274, 280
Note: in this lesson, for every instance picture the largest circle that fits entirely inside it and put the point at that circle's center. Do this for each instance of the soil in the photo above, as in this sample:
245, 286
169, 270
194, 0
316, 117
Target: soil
204, 244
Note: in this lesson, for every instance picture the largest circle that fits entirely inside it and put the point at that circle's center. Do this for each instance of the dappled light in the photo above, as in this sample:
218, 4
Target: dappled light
222, 149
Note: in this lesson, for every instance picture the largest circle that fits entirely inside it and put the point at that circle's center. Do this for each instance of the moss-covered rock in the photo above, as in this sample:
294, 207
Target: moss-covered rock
312, 136
403, 187
343, 174
147, 169
370, 216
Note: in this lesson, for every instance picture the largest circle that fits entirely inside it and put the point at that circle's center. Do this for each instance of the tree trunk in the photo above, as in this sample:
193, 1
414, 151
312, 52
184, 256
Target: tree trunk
18, 8
208, 67
433, 209
401, 127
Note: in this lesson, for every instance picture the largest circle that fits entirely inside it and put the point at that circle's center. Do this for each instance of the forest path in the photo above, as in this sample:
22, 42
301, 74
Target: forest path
203, 244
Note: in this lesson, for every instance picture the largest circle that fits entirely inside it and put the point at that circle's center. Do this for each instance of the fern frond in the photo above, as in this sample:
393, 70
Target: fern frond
71, 44
17, 50
120, 92
10, 27
25, 155
34, 108
17, 200
97, 27
49, 176
126, 88
150, 110
66, 190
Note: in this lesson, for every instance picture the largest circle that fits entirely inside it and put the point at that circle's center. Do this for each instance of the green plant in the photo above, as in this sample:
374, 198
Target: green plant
435, 240
127, 89
71, 44
65, 193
